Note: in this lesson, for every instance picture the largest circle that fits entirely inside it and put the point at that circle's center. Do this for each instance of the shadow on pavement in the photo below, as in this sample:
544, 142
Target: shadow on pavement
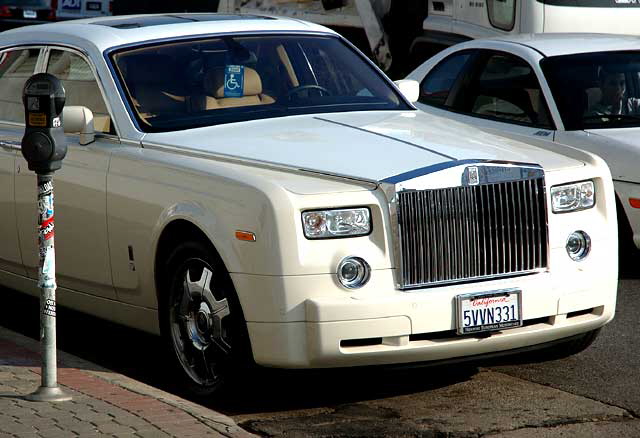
270, 390
139, 355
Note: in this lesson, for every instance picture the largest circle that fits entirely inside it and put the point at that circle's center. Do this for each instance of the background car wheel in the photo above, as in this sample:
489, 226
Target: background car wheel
201, 319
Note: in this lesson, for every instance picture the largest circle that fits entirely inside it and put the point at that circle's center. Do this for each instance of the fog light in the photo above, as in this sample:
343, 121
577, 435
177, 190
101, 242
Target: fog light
353, 272
578, 245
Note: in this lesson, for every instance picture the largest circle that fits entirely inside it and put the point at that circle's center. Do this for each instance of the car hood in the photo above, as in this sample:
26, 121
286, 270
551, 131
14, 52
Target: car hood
619, 147
364, 145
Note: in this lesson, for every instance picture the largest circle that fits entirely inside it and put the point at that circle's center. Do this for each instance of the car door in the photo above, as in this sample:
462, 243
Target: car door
493, 90
16, 66
82, 252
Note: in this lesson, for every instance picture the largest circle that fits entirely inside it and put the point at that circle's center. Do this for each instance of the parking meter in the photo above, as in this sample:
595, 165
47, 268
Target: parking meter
44, 147
43, 144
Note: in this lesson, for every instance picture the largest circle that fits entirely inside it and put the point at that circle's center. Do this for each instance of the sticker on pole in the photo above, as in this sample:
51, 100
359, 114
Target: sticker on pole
47, 277
234, 81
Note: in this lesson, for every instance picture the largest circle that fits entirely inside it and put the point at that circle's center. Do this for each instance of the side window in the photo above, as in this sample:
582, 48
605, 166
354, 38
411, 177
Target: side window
502, 13
16, 66
506, 89
80, 86
436, 86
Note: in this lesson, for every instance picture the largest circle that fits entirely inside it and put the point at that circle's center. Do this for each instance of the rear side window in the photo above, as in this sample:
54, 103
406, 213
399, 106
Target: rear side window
16, 66
436, 86
80, 85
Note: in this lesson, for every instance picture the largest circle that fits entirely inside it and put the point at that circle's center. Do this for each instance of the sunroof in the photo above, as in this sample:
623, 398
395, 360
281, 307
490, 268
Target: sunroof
158, 20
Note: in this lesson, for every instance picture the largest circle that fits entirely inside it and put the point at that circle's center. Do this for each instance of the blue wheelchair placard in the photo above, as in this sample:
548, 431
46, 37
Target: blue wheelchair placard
234, 81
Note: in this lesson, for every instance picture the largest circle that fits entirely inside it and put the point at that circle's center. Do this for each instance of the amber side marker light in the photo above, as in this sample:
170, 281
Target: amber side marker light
635, 202
247, 236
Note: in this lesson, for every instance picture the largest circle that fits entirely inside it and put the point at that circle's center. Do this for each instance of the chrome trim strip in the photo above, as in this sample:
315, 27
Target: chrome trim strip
13, 145
474, 279
534, 169
371, 183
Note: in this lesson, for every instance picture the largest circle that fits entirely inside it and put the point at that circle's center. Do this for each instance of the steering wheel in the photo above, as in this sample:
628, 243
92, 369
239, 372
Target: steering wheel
299, 88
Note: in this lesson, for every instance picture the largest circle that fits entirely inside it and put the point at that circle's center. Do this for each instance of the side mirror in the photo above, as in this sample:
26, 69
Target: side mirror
79, 120
409, 89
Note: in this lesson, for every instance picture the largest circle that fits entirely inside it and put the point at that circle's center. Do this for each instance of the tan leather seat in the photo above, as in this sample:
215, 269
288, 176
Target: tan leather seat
252, 90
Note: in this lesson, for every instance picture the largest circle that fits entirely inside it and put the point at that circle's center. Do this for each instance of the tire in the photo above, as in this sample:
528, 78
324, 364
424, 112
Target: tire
569, 348
200, 319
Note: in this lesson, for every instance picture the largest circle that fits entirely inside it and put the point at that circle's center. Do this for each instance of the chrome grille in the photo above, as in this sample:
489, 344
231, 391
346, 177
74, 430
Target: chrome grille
471, 232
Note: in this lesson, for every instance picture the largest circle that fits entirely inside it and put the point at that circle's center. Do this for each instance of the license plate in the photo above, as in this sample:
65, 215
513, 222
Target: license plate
94, 6
27, 13
489, 311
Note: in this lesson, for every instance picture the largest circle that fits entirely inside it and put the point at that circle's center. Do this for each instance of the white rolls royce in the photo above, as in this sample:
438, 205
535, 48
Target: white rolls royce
255, 190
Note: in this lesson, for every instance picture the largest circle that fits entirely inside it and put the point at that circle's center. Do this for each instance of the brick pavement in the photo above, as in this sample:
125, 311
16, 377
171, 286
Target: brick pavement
104, 403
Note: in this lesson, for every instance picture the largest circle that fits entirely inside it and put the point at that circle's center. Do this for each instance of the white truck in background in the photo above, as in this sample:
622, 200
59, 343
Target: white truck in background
471, 19
403, 33
390, 26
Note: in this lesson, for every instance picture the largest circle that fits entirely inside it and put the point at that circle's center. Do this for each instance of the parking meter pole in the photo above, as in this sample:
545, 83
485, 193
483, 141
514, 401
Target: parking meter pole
47, 281
44, 147
48, 390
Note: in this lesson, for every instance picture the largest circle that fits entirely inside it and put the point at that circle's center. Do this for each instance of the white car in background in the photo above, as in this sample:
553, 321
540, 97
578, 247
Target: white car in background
255, 189
548, 89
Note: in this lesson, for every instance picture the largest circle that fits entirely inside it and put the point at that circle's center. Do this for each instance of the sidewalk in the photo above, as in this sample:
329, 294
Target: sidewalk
104, 403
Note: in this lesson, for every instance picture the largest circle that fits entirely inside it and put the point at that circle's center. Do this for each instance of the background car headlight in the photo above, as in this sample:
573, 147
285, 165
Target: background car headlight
573, 197
346, 222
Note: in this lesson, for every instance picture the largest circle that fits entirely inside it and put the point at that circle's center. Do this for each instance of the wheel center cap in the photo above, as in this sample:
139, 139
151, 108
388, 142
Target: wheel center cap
202, 321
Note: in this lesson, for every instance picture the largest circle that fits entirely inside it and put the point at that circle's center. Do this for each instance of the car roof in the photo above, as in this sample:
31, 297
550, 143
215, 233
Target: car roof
556, 44
119, 30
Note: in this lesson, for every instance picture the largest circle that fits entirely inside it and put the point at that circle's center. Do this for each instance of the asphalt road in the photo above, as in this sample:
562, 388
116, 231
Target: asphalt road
594, 393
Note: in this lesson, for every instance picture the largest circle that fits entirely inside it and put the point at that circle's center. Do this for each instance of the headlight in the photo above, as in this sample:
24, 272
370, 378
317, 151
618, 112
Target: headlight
573, 197
346, 222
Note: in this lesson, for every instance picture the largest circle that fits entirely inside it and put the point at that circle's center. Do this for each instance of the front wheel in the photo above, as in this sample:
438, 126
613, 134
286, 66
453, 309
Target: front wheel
201, 318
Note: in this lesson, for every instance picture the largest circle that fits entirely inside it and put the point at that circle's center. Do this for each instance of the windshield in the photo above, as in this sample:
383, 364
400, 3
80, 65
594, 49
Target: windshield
228, 79
595, 90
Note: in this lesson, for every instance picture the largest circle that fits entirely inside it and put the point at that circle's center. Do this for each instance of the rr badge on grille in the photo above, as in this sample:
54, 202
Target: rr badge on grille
474, 177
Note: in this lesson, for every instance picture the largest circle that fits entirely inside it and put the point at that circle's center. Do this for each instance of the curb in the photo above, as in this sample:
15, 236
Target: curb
222, 424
